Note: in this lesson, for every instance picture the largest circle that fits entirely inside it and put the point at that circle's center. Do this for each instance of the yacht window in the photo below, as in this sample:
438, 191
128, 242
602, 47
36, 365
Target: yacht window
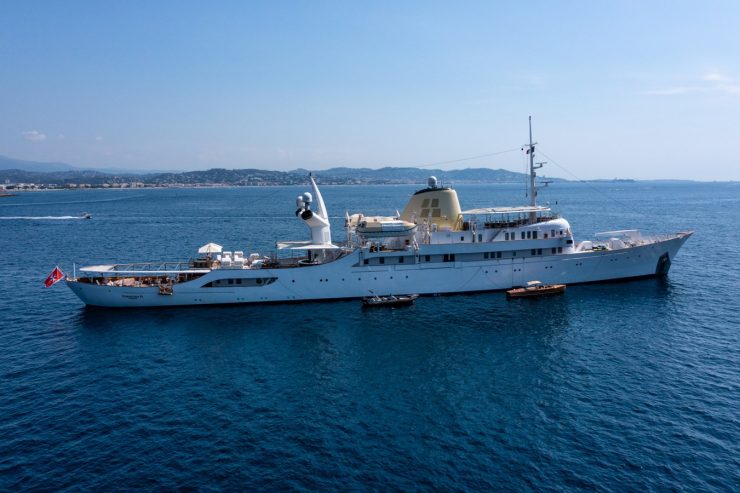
400, 260
238, 281
534, 252
554, 250
366, 261
513, 254
560, 249
545, 235
446, 258
462, 238
498, 254
534, 235
485, 255
552, 232
569, 242
425, 213
427, 258
382, 260
539, 251
522, 235
436, 212
529, 235
231, 281
435, 202
452, 257
507, 236
425, 203
259, 281
480, 237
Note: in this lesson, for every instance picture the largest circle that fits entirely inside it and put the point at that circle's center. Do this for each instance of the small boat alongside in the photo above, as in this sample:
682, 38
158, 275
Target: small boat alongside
535, 288
390, 300
86, 215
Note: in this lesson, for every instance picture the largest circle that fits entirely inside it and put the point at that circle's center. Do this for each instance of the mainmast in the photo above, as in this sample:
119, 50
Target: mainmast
532, 176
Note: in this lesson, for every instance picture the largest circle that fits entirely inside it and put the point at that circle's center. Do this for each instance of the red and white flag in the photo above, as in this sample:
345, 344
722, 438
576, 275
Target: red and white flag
55, 276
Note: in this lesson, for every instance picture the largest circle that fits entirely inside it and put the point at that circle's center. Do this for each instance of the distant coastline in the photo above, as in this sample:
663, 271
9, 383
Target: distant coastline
17, 175
15, 179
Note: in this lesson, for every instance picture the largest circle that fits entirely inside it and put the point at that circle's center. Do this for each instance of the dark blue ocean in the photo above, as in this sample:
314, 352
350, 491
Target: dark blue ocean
631, 386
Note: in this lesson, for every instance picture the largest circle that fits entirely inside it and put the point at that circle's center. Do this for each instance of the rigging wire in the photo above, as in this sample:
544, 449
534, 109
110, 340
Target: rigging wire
596, 189
438, 163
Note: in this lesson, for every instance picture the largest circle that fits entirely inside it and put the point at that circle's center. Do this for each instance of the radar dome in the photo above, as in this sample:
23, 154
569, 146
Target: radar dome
432, 182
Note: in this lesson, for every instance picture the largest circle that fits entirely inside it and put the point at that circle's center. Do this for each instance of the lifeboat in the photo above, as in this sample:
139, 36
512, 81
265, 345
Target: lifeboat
384, 227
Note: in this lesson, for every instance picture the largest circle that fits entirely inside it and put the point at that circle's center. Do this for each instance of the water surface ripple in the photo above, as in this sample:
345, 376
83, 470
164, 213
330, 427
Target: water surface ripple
626, 386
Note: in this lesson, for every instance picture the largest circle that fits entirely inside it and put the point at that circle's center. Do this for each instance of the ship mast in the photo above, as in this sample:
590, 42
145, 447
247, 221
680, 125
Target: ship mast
532, 176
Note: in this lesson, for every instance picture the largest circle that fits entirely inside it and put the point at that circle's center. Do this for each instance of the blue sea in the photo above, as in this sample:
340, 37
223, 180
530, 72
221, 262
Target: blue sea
631, 386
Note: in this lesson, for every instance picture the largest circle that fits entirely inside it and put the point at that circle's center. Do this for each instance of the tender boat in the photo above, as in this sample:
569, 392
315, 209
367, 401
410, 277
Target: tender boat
431, 247
390, 300
536, 288
86, 215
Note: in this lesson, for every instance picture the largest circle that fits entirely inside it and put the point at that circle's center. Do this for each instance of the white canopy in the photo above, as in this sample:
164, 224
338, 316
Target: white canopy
507, 210
305, 245
210, 248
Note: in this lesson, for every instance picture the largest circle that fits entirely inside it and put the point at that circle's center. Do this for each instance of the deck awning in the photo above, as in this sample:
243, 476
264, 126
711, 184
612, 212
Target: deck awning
305, 245
506, 210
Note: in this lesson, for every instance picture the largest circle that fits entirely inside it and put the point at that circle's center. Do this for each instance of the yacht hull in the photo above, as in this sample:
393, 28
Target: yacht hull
350, 277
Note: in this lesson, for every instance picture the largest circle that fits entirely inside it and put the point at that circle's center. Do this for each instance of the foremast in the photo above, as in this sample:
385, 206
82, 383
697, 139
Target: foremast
532, 176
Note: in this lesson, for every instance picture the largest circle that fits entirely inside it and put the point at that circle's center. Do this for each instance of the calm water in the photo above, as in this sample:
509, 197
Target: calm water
627, 386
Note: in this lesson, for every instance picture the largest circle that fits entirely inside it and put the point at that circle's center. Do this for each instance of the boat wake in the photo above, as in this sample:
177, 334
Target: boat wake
41, 218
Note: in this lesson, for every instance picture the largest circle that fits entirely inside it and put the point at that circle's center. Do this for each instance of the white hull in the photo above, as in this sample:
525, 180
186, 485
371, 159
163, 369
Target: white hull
349, 277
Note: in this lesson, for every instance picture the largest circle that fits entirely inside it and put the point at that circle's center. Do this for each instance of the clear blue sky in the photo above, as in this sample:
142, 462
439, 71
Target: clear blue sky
616, 89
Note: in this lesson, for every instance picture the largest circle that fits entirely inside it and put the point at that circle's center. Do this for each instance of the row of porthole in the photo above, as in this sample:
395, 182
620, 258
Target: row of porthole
359, 279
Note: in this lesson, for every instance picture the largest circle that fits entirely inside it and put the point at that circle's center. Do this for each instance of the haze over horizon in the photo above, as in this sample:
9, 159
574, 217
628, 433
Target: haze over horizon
630, 89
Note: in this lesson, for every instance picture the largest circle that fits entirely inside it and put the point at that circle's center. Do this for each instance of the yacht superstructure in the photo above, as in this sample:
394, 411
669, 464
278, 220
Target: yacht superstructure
431, 247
